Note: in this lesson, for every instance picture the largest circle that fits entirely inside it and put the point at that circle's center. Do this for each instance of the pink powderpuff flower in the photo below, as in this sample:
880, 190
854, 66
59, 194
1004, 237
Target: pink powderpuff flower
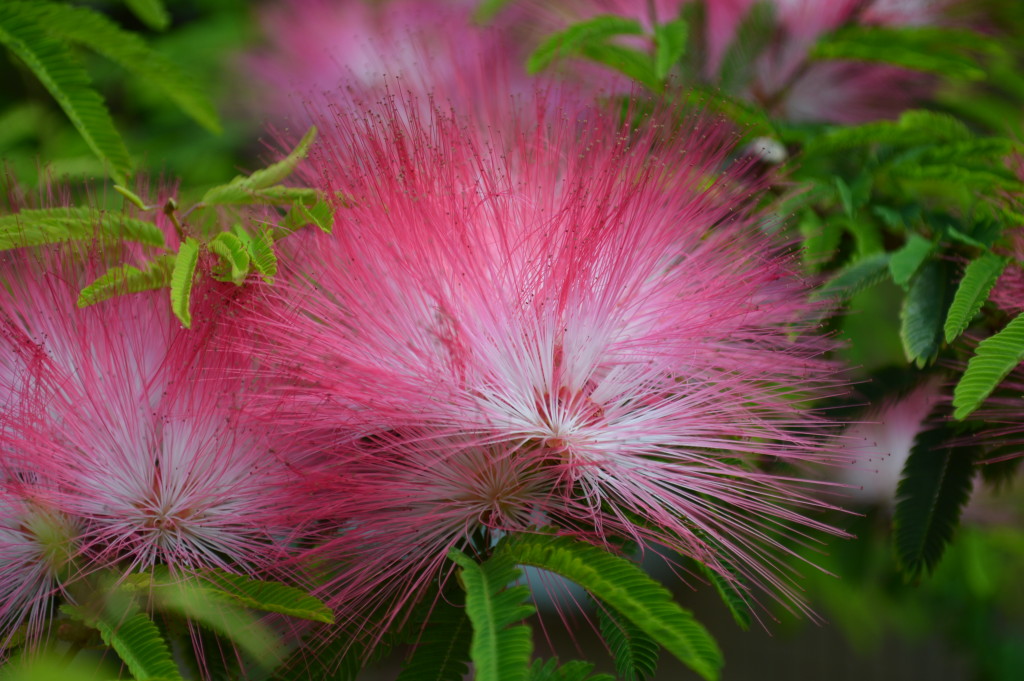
551, 322
318, 46
134, 423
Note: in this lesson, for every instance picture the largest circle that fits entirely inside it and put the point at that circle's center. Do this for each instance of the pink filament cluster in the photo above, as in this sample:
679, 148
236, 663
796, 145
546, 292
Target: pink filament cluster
121, 440
555, 321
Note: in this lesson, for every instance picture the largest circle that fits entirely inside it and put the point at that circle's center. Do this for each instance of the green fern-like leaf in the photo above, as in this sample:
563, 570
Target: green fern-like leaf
905, 262
634, 652
856, 277
924, 312
261, 252
54, 225
233, 253
574, 39
979, 278
127, 279
631, 63
442, 650
627, 589
128, 50
23, 32
150, 12
261, 183
934, 487
731, 595
182, 276
193, 598
670, 45
923, 48
500, 652
915, 127
136, 639
267, 596
575, 670
995, 357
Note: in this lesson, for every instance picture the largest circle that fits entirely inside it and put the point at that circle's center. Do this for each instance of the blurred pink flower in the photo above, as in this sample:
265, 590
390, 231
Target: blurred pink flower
561, 323
318, 47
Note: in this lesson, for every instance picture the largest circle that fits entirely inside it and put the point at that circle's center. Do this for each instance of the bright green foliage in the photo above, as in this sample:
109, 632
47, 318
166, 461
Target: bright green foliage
821, 238
22, 31
995, 357
82, 26
635, 64
575, 670
54, 225
635, 654
127, 279
629, 590
950, 53
669, 46
233, 253
924, 312
856, 277
259, 186
320, 214
261, 254
182, 275
442, 649
136, 639
500, 652
933, 490
577, 38
150, 12
979, 278
905, 262
267, 596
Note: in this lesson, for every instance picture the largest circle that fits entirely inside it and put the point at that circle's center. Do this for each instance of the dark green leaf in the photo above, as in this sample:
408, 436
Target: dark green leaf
905, 262
995, 357
935, 485
634, 652
574, 39
734, 599
442, 650
129, 51
979, 278
924, 312
150, 12
626, 588
267, 596
861, 274
575, 670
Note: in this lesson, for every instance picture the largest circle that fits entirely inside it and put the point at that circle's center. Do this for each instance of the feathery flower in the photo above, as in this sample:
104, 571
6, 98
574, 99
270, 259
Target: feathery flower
572, 325
133, 423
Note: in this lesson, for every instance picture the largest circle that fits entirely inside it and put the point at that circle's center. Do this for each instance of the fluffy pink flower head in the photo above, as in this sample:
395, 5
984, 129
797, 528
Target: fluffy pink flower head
133, 423
566, 324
